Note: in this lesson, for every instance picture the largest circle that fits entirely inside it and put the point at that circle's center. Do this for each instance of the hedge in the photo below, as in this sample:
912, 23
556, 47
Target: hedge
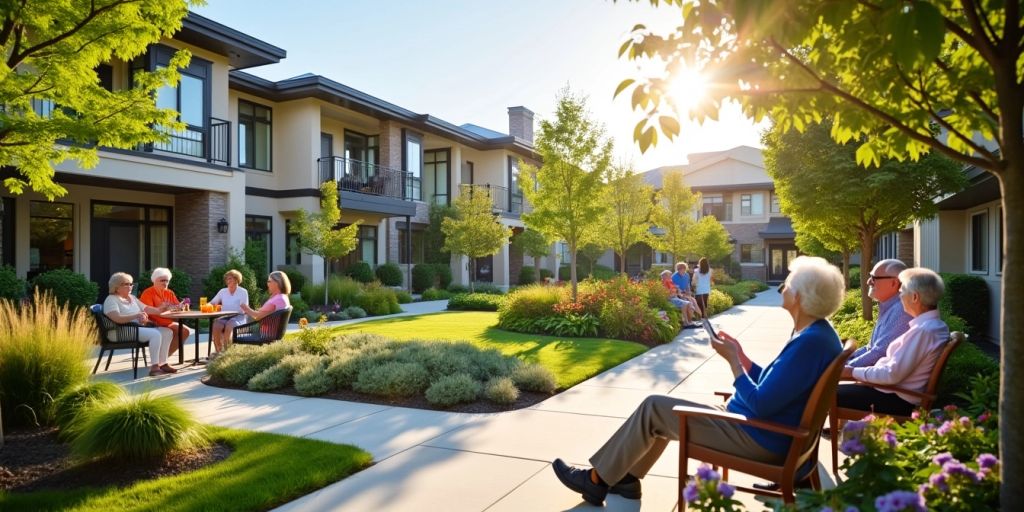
389, 274
967, 297
68, 287
475, 302
360, 271
11, 286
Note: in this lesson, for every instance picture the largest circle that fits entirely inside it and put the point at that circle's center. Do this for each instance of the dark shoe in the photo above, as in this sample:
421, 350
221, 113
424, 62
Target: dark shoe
775, 487
154, 372
826, 433
168, 368
628, 487
578, 480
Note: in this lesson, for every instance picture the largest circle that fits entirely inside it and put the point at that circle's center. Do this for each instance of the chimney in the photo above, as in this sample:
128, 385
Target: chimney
520, 123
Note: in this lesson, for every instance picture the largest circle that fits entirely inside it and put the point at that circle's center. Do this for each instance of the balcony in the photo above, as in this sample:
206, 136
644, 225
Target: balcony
368, 178
502, 201
212, 144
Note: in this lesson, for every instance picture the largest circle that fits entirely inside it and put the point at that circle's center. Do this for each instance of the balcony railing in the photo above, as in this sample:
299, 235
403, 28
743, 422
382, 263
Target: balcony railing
367, 178
212, 144
501, 199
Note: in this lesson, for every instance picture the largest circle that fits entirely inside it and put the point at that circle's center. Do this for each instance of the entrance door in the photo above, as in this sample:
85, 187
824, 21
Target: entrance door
484, 270
116, 247
779, 257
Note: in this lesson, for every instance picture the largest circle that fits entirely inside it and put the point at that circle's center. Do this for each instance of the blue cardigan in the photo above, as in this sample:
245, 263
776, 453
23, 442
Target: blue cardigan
779, 392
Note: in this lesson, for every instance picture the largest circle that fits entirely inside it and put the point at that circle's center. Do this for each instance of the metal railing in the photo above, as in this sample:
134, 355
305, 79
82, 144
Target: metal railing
368, 178
501, 199
212, 144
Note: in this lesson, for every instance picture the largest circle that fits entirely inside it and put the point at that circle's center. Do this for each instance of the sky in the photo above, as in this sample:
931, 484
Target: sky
467, 61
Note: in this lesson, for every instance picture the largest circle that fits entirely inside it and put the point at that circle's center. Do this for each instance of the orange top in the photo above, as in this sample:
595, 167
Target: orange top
156, 298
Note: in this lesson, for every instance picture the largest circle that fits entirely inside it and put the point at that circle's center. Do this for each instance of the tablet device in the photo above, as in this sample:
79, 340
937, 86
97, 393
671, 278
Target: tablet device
710, 330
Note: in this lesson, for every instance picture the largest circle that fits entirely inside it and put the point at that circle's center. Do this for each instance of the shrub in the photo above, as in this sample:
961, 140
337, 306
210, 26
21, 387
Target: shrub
341, 290
337, 316
967, 297
11, 286
964, 363
478, 287
570, 324
457, 288
600, 272
423, 277
475, 302
74, 401
215, 279
239, 363
528, 302
753, 285
546, 273
68, 288
280, 375
435, 294
534, 377
137, 427
181, 283
314, 340
313, 380
389, 274
501, 390
718, 302
43, 347
443, 271
855, 328
392, 379
295, 276
378, 300
299, 306
355, 312
452, 389
855, 278
527, 275
722, 277
403, 296
360, 271
737, 292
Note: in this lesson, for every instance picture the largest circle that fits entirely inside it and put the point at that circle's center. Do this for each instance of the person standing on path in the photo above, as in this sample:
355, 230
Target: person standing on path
703, 281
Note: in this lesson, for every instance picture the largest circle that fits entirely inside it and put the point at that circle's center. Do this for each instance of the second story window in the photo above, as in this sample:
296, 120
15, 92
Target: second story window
515, 193
412, 158
751, 204
254, 136
776, 207
717, 207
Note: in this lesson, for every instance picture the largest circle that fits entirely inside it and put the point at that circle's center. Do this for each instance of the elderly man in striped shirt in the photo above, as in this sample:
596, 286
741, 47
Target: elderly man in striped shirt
893, 321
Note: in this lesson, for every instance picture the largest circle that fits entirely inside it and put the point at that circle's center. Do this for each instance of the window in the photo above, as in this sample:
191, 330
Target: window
412, 159
6, 231
366, 249
776, 207
292, 250
717, 207
51, 236
515, 194
979, 242
254, 136
258, 231
418, 246
190, 98
751, 253
436, 175
129, 237
1002, 241
751, 204
661, 258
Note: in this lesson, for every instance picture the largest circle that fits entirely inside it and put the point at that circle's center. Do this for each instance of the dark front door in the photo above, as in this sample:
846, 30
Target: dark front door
484, 270
116, 247
779, 257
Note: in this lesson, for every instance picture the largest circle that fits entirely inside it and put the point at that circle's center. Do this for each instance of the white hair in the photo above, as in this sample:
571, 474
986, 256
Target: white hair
819, 286
925, 283
160, 272
891, 266
665, 273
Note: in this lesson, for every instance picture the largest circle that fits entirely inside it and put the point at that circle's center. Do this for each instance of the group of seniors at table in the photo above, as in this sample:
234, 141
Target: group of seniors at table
155, 308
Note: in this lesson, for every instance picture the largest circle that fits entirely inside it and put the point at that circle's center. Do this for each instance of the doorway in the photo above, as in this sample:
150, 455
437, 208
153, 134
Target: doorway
779, 258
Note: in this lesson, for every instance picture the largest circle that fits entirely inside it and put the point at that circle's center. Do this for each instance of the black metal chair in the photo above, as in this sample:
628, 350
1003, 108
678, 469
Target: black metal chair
265, 330
127, 336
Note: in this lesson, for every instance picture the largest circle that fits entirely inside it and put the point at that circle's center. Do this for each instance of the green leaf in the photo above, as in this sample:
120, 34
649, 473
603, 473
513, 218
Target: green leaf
622, 86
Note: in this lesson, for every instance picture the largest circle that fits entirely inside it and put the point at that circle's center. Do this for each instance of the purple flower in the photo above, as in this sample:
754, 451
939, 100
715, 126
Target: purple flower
690, 494
942, 458
945, 428
938, 481
965, 421
852, 447
705, 473
987, 461
854, 428
826, 509
852, 508
900, 500
926, 427
983, 418
726, 490
955, 467
890, 437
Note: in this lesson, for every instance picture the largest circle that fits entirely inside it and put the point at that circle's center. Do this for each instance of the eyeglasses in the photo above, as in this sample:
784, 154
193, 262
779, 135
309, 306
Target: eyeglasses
127, 284
872, 277
781, 288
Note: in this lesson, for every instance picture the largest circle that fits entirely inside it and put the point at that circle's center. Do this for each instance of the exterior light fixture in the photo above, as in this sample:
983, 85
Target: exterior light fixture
222, 225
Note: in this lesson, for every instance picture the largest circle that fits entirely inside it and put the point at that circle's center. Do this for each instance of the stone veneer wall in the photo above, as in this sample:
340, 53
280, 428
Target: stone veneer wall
198, 247
749, 234
390, 144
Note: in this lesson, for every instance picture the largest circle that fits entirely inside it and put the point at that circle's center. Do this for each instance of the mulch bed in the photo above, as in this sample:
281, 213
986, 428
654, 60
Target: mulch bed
526, 399
35, 459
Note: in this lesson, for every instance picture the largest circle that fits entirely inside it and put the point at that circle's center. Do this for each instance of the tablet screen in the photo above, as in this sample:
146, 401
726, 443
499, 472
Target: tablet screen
710, 330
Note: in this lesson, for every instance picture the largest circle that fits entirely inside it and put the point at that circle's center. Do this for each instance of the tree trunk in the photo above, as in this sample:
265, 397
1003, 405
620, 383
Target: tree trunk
1011, 390
472, 274
622, 263
846, 268
536, 268
572, 269
327, 279
867, 248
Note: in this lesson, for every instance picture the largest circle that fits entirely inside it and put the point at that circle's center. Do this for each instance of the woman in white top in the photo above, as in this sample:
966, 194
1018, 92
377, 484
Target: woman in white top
702, 281
230, 298
123, 307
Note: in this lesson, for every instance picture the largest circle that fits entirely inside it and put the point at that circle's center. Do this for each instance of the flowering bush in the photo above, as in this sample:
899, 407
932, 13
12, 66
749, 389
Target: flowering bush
708, 492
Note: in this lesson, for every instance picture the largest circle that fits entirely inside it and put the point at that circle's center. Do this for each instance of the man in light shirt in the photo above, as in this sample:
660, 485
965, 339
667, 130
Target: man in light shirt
893, 321
909, 359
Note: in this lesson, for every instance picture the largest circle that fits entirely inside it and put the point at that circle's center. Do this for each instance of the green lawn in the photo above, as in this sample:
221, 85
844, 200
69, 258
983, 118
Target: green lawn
264, 471
571, 360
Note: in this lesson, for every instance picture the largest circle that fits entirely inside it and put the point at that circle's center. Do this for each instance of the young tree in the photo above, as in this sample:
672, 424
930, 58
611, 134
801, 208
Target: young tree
534, 244
54, 106
889, 73
319, 232
567, 190
673, 213
708, 238
630, 208
867, 202
474, 231
816, 239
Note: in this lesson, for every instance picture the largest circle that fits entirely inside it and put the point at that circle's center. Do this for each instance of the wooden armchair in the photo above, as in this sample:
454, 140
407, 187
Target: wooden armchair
839, 415
803, 451
127, 336
265, 330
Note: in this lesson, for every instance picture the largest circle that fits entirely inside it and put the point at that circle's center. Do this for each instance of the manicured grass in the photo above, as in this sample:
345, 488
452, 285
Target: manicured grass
264, 471
571, 360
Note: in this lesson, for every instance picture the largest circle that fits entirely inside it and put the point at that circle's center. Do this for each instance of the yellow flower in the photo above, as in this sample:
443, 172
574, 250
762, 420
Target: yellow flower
323, 319
303, 323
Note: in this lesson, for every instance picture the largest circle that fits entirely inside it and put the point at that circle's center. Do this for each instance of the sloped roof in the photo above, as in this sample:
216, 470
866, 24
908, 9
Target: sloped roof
697, 161
778, 227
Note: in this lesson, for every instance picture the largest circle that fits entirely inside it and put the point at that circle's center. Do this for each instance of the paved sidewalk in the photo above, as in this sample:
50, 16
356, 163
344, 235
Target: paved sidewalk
501, 461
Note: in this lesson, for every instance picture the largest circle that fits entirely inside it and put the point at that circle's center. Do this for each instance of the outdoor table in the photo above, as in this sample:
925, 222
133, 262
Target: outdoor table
195, 316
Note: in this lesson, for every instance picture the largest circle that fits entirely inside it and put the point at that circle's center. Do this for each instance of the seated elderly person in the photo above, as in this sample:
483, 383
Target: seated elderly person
884, 287
910, 358
778, 392
677, 299
161, 297
122, 307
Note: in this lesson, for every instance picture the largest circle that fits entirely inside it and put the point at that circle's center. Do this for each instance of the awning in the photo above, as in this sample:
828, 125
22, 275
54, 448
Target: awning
778, 228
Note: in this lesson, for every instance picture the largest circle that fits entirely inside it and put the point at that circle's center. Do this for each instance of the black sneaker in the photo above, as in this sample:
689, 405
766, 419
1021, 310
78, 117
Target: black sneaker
628, 487
578, 480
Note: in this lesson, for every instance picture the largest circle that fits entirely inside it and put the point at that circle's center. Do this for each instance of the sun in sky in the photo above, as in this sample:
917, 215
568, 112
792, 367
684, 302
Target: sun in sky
688, 87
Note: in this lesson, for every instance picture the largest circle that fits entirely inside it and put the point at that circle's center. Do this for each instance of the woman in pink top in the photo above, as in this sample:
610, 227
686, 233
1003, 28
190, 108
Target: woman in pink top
279, 287
910, 358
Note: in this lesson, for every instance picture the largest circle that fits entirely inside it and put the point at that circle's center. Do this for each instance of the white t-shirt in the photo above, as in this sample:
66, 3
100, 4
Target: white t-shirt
703, 282
232, 302
130, 307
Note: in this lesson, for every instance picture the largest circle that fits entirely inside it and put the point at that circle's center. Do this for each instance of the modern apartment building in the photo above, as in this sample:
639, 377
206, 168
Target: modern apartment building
254, 152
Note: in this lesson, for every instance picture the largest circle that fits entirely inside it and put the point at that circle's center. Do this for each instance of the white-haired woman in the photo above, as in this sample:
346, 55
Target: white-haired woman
910, 358
778, 393
122, 307
163, 299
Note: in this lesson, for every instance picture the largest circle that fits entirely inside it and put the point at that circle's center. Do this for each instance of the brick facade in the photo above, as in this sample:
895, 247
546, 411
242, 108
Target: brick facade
905, 247
198, 247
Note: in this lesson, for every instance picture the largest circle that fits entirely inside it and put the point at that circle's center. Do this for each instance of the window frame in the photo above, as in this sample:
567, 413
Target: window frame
983, 232
250, 137
291, 244
269, 233
413, 189
73, 235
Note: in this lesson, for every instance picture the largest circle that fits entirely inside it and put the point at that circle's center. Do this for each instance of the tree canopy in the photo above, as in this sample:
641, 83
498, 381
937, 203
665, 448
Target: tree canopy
473, 231
567, 191
320, 233
630, 209
55, 107
707, 238
534, 244
673, 213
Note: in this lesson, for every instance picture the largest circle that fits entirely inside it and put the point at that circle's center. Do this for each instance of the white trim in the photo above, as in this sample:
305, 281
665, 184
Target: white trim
970, 242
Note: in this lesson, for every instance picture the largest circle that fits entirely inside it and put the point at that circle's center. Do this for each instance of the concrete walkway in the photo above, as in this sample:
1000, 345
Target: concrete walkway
493, 462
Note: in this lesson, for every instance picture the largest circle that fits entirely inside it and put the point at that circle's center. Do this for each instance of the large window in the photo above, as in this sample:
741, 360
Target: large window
366, 249
51, 236
436, 175
254, 136
292, 250
129, 238
718, 207
515, 194
258, 255
979, 242
418, 246
412, 158
6, 231
776, 206
751, 253
751, 204
191, 99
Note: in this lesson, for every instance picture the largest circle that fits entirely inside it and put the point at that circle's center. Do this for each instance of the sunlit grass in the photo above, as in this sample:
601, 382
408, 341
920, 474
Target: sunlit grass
571, 360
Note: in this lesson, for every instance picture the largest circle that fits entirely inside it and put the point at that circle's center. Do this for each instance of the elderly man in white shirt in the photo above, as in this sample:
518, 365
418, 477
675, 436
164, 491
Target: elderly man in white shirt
910, 358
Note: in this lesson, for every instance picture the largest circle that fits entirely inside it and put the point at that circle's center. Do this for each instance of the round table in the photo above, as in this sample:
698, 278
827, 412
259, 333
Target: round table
183, 317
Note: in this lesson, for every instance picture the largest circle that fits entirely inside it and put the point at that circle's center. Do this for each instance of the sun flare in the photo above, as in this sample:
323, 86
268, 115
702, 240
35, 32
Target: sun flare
688, 88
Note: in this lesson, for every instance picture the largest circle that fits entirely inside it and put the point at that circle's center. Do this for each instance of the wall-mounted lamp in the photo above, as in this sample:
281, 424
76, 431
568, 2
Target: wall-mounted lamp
222, 225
